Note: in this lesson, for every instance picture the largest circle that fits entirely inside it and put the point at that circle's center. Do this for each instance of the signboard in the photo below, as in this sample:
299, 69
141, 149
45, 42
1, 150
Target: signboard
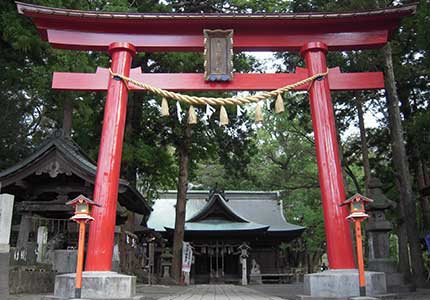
187, 257
218, 55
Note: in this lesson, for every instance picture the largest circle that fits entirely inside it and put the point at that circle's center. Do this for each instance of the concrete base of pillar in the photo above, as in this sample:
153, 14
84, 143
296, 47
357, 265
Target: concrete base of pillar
96, 285
342, 284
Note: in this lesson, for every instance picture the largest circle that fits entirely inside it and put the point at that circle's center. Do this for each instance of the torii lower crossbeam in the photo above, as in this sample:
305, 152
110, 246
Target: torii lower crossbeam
194, 82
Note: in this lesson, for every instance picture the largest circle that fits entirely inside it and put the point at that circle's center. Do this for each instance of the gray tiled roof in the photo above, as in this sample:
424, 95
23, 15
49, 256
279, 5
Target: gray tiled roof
257, 208
74, 154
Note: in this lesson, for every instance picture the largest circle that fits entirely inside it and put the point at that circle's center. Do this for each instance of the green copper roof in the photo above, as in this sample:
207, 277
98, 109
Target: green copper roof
234, 211
222, 225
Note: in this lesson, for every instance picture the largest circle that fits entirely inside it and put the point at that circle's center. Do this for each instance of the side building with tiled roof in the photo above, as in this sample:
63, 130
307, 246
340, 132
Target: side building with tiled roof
42, 235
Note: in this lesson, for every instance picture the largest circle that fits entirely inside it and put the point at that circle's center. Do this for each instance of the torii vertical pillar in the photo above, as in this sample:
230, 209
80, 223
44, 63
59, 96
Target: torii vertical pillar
342, 278
338, 235
98, 280
101, 235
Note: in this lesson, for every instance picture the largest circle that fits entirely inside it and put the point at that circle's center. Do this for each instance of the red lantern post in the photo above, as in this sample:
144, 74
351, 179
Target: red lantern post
358, 215
82, 216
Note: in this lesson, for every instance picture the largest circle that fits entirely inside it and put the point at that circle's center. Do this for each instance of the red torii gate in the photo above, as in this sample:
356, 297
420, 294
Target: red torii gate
123, 34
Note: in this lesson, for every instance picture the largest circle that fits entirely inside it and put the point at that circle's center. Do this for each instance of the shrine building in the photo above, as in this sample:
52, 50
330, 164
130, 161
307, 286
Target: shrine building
43, 239
220, 225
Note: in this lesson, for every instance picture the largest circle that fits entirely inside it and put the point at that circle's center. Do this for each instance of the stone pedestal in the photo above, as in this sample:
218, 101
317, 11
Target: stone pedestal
386, 265
341, 284
96, 285
64, 261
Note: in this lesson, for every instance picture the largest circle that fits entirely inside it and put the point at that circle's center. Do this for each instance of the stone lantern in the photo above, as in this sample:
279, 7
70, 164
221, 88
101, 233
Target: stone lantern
166, 266
378, 229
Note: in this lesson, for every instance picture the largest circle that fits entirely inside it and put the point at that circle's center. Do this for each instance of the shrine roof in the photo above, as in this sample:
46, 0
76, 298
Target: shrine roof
78, 163
221, 226
231, 211
151, 32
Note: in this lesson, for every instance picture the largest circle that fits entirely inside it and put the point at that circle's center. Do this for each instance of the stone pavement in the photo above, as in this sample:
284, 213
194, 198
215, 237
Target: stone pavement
197, 292
220, 292
227, 292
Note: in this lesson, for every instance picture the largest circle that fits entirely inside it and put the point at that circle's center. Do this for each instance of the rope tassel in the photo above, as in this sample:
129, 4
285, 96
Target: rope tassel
192, 118
258, 113
223, 117
164, 108
279, 104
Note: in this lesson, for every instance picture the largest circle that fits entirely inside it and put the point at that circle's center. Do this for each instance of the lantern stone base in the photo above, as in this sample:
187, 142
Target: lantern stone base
96, 285
341, 284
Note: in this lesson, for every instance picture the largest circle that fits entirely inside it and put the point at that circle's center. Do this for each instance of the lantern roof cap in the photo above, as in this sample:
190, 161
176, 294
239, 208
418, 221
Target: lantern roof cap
357, 197
80, 199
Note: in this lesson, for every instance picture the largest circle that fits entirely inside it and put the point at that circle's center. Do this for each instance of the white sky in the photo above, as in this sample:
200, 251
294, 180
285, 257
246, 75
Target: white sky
267, 60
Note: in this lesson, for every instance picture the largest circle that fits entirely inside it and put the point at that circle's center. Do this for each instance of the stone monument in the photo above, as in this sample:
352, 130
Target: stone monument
42, 244
6, 211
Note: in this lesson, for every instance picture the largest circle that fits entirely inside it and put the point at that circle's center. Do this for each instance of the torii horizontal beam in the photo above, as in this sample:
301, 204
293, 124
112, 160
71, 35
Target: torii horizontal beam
188, 42
195, 81
150, 32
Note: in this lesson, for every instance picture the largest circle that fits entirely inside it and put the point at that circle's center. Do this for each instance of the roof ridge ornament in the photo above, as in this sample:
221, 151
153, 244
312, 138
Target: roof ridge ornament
216, 190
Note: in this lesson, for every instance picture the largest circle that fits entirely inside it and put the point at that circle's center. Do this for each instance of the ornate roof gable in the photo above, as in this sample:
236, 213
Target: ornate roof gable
217, 208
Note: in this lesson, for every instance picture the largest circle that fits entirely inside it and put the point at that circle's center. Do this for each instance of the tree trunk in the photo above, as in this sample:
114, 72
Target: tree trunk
364, 149
404, 260
67, 116
424, 200
401, 167
178, 237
